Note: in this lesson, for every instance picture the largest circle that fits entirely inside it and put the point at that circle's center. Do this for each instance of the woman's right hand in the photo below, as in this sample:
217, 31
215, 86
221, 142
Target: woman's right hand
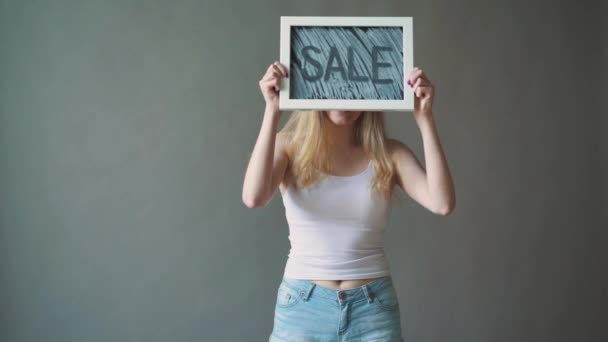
270, 84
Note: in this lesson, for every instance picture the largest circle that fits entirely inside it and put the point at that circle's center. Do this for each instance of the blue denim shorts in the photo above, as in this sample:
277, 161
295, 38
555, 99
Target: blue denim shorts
307, 312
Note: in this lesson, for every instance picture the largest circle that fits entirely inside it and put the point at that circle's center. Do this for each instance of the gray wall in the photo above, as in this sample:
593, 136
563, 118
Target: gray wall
125, 128
602, 234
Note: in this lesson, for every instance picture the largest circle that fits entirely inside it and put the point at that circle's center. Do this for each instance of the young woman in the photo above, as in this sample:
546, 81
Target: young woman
336, 171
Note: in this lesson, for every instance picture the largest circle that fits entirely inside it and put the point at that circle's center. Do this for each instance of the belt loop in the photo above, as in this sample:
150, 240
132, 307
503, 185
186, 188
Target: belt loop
368, 294
305, 292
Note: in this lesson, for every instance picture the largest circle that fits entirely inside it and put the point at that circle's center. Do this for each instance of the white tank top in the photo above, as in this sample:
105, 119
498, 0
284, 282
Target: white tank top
336, 229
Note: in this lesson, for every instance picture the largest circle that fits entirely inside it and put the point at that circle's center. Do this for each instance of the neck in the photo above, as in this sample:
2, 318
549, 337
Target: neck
340, 136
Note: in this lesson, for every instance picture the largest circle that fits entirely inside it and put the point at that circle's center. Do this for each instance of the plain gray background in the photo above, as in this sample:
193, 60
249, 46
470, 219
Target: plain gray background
126, 127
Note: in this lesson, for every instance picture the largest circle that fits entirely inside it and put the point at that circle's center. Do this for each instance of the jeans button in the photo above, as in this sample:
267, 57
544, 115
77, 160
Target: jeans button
342, 295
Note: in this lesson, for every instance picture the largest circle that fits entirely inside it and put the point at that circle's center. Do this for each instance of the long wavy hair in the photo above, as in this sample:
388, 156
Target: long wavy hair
308, 150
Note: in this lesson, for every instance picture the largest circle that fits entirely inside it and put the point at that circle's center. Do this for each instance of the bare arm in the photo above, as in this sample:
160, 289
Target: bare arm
433, 188
440, 185
268, 162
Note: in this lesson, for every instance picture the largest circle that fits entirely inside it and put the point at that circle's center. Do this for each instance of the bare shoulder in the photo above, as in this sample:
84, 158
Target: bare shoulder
397, 149
282, 142
409, 171
282, 137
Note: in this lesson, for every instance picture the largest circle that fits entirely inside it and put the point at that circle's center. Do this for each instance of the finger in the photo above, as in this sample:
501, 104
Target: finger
266, 86
425, 78
417, 84
414, 69
270, 67
278, 71
272, 84
282, 68
425, 91
276, 84
408, 79
420, 92
417, 72
272, 74
413, 76
422, 82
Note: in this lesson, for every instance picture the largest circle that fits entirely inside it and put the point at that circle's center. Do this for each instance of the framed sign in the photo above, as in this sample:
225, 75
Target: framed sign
348, 63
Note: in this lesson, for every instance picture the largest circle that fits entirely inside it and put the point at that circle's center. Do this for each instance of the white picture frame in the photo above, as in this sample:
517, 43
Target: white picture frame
398, 104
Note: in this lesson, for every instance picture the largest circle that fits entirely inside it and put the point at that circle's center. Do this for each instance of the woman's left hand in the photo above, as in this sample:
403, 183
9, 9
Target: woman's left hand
424, 92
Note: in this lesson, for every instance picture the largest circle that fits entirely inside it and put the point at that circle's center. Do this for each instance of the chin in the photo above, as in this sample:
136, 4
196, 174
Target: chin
342, 118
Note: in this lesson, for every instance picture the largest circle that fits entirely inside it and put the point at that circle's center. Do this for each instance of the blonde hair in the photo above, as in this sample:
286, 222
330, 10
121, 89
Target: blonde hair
307, 146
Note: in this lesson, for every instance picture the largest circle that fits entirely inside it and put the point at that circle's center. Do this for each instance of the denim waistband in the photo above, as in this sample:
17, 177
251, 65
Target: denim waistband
306, 288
